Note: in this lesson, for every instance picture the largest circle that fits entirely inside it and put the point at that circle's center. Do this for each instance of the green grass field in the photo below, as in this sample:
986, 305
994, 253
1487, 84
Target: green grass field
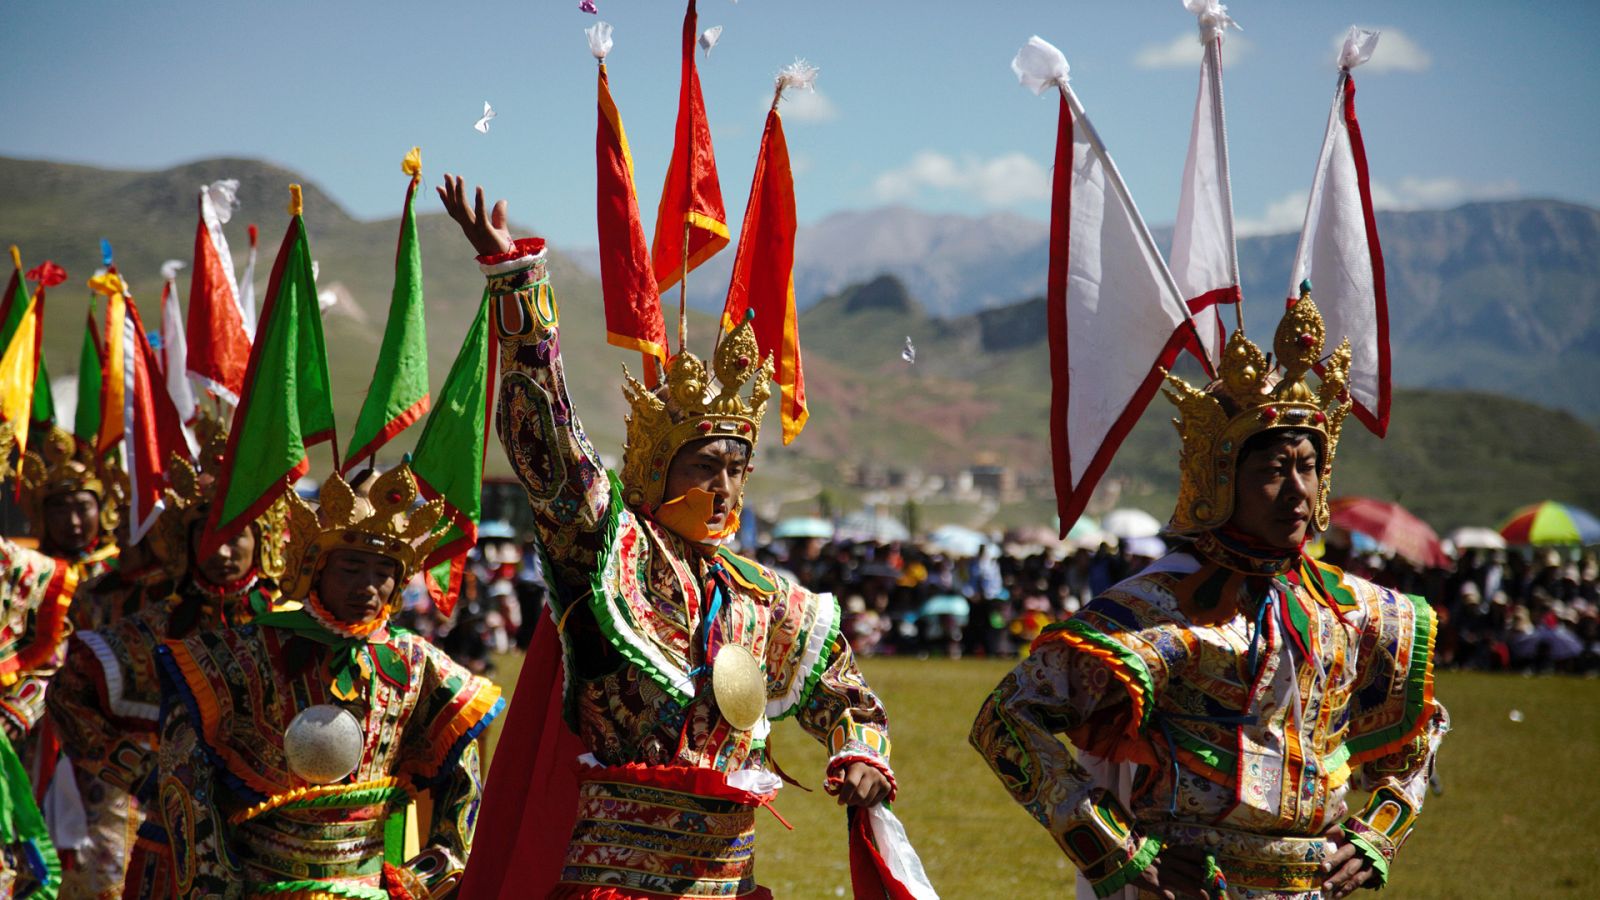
1520, 816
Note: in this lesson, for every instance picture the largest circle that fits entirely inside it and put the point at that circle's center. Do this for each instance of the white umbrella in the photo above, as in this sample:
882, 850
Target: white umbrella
865, 526
1476, 538
957, 540
1130, 523
803, 528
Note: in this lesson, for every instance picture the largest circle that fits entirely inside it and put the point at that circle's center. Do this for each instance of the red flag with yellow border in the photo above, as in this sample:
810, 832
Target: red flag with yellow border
691, 199
763, 273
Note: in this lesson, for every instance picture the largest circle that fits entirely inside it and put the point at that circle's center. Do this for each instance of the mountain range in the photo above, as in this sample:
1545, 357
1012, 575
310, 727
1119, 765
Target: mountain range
1493, 297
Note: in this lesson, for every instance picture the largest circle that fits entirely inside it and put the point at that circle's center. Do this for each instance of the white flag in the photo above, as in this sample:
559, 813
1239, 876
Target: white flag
1115, 315
1205, 261
1339, 251
175, 346
247, 289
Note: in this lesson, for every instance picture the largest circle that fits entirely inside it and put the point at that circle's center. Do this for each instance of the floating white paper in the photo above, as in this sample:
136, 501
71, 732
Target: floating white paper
909, 354
483, 123
709, 38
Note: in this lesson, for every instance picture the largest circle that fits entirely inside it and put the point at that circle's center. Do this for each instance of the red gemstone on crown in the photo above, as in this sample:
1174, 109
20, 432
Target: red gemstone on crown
1307, 339
1269, 413
744, 428
1321, 417
744, 361
704, 427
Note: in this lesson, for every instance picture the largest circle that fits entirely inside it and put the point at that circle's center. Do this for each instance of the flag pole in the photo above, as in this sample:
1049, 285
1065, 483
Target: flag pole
683, 288
1214, 47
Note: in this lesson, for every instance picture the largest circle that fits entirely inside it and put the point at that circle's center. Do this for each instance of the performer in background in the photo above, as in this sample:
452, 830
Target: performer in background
290, 747
106, 701
678, 654
1226, 699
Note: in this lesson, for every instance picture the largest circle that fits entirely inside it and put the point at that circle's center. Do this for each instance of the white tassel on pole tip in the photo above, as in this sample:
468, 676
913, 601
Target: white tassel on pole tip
224, 198
1214, 18
169, 269
1040, 66
1358, 47
799, 75
709, 38
599, 39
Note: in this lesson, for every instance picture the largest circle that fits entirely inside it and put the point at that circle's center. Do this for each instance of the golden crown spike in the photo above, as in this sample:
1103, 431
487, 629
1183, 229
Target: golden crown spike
385, 520
191, 486
691, 405
61, 464
1251, 396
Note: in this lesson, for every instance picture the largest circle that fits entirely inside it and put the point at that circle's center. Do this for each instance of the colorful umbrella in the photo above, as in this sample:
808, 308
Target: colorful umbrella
803, 528
1392, 526
1476, 538
1551, 523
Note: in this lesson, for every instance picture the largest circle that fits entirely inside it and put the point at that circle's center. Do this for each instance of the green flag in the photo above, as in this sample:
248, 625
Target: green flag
448, 461
398, 395
12, 308
86, 420
286, 404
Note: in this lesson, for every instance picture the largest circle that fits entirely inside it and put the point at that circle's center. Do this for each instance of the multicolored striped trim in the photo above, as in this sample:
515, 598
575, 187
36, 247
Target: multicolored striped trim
116, 690
1123, 664
312, 890
185, 679
328, 796
1419, 702
453, 735
49, 621
813, 662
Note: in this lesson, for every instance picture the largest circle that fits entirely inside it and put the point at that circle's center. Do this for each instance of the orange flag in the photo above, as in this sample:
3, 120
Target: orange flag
691, 200
627, 283
763, 271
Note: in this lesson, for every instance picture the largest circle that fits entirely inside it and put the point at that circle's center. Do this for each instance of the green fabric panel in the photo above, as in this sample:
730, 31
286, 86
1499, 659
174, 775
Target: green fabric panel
1416, 683
449, 454
287, 397
400, 380
86, 419
748, 570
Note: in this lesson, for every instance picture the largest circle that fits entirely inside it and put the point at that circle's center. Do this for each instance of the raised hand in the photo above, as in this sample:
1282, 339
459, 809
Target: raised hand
487, 233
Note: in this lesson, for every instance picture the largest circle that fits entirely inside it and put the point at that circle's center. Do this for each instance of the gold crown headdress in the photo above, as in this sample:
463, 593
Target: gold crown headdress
1249, 397
60, 464
190, 489
691, 407
382, 521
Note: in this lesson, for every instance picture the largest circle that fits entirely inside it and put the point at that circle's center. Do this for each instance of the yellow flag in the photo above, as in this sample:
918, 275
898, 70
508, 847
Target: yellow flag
18, 367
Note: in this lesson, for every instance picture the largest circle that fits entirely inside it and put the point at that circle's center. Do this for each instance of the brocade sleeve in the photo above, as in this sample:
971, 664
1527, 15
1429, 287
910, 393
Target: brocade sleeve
1396, 725
1097, 685
566, 483
202, 866
35, 595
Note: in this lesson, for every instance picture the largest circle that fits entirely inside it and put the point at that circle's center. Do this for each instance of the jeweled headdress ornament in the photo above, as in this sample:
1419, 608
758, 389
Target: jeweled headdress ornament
383, 521
1250, 396
692, 406
190, 489
60, 464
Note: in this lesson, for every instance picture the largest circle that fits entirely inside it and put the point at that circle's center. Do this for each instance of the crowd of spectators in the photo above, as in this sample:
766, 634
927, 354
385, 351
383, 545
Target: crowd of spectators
1521, 609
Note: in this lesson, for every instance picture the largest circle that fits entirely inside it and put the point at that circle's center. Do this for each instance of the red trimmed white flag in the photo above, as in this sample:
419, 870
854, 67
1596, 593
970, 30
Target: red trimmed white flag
1339, 251
1115, 316
1205, 260
174, 345
219, 347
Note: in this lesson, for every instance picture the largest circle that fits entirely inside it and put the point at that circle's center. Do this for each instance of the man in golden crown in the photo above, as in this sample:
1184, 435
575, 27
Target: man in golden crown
1223, 702
290, 747
105, 703
677, 653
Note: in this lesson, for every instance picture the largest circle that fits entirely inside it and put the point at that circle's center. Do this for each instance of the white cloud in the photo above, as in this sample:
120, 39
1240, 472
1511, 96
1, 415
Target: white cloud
1003, 180
803, 106
1396, 52
1287, 213
1185, 51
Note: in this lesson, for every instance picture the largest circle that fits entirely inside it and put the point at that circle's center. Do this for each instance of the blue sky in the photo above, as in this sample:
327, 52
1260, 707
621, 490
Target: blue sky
916, 104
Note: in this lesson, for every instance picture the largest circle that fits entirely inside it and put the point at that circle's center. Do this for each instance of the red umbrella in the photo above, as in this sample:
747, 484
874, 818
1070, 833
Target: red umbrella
1391, 525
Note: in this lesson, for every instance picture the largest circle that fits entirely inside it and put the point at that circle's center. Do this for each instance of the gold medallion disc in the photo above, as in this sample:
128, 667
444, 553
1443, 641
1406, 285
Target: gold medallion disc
739, 687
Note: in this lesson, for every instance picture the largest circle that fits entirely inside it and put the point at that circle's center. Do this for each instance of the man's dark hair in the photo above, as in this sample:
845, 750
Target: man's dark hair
1274, 437
713, 440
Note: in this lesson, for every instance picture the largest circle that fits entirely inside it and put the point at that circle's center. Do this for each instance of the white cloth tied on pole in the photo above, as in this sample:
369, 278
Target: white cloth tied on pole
1040, 66
1213, 17
1358, 47
599, 35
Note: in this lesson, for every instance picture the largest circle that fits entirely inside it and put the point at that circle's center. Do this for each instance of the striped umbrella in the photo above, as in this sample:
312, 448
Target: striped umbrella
1551, 523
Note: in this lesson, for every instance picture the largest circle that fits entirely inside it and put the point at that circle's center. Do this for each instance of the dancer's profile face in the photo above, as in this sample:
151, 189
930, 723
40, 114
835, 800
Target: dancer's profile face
1277, 482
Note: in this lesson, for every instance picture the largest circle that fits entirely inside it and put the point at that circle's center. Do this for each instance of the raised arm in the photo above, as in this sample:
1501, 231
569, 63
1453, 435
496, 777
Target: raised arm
566, 483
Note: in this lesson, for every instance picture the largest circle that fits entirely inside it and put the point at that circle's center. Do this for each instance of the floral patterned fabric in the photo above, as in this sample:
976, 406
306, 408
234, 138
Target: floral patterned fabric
1252, 724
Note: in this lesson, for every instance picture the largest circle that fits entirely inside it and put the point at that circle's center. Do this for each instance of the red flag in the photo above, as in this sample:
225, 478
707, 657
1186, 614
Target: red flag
691, 199
763, 273
627, 283
219, 348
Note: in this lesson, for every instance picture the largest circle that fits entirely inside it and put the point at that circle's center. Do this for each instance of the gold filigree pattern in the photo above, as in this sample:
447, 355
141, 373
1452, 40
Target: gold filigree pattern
385, 521
1251, 396
60, 464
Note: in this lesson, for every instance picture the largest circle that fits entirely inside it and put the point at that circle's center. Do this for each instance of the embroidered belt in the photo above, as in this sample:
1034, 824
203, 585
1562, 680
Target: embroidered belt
1258, 862
648, 831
